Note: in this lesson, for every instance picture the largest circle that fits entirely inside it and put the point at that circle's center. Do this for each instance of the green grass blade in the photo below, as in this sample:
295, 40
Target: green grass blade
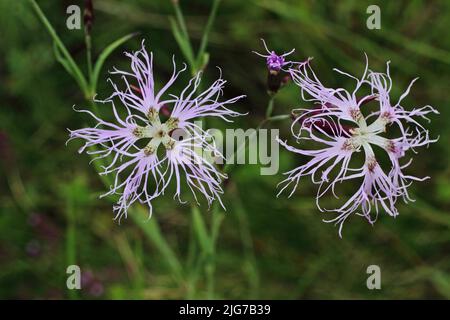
200, 61
151, 229
77, 74
102, 58
200, 230
184, 44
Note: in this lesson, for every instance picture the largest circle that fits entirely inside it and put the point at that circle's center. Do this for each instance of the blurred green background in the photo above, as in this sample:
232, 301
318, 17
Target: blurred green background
267, 248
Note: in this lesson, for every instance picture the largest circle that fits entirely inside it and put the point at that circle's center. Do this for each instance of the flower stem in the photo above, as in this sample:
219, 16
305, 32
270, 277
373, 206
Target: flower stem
217, 219
180, 18
206, 31
152, 231
207, 241
65, 59
181, 34
250, 265
87, 39
268, 118
270, 105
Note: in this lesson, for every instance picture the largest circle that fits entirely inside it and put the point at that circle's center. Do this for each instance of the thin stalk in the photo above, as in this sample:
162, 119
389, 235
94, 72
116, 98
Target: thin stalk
268, 118
182, 38
88, 41
139, 280
153, 232
192, 265
210, 267
206, 31
77, 74
207, 242
180, 18
270, 105
18, 190
247, 244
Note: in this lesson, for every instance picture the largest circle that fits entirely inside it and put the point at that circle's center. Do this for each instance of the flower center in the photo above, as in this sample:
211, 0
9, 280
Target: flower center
159, 133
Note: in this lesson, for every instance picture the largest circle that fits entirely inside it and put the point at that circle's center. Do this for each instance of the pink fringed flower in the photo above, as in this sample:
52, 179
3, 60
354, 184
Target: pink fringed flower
145, 152
341, 132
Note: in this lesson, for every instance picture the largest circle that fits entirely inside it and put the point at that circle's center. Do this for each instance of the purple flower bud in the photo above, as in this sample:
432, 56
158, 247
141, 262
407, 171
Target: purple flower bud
278, 68
275, 62
88, 16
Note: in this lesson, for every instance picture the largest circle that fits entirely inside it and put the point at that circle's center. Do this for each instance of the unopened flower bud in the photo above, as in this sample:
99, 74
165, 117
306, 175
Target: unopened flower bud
88, 16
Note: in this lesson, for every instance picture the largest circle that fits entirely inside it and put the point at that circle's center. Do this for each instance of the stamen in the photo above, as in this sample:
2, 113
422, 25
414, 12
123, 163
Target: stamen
172, 123
371, 164
139, 132
355, 114
169, 143
348, 145
391, 147
386, 117
152, 114
149, 150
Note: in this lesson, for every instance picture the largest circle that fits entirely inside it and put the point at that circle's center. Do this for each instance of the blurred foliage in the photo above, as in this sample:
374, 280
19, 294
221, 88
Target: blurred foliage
272, 248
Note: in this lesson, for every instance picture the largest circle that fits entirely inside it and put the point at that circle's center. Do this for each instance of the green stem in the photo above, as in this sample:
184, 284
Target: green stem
71, 66
192, 265
270, 105
153, 232
268, 118
207, 241
183, 38
247, 244
180, 18
205, 36
217, 218
87, 39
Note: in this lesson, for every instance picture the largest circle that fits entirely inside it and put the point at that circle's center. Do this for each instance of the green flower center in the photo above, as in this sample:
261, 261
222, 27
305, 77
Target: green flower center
157, 132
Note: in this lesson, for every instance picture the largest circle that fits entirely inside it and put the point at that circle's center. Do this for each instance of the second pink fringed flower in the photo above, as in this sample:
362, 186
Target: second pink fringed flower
340, 132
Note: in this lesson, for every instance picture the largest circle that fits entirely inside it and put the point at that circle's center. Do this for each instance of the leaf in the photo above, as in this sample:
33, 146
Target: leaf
152, 231
68, 62
62, 60
103, 56
204, 61
200, 230
183, 43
